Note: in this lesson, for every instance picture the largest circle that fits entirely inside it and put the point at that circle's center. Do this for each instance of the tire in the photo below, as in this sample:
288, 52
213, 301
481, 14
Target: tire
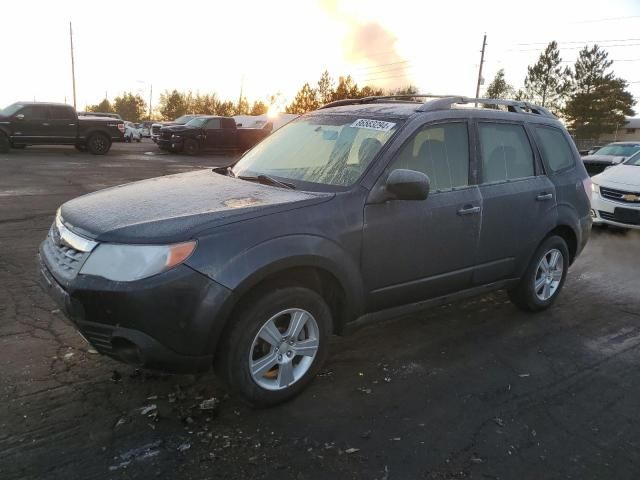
98, 144
4, 143
288, 373
138, 140
191, 147
549, 283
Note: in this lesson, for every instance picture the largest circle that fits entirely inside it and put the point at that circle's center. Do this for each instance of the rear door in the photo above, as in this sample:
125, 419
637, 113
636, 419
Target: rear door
415, 250
517, 197
230, 136
214, 135
63, 124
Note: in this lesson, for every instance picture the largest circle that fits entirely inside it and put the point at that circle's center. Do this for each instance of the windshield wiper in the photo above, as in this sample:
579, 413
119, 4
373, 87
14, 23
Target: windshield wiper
267, 180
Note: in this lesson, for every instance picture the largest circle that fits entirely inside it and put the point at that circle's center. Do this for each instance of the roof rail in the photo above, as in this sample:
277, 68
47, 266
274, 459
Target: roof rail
445, 102
517, 106
360, 101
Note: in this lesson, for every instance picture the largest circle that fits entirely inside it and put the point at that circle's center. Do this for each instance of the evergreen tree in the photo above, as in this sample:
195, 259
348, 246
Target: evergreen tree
499, 88
548, 83
325, 88
305, 101
599, 100
104, 106
259, 108
130, 107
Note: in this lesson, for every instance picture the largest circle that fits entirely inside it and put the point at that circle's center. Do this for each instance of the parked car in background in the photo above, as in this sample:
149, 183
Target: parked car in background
155, 128
616, 195
100, 114
609, 155
264, 121
31, 123
145, 129
132, 132
361, 210
209, 133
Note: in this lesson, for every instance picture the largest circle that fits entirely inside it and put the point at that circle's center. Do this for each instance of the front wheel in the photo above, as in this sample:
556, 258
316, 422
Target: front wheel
276, 346
98, 144
191, 147
544, 277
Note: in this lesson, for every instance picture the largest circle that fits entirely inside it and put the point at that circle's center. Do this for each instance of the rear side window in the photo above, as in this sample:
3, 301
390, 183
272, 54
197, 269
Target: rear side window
34, 112
441, 152
61, 113
506, 152
555, 150
213, 123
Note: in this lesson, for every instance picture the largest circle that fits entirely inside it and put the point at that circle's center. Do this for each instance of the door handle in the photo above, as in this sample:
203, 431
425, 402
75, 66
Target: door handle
72, 124
45, 124
468, 210
544, 196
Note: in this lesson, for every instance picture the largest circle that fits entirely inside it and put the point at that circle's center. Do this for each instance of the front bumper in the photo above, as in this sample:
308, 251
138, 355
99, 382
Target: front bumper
169, 322
618, 214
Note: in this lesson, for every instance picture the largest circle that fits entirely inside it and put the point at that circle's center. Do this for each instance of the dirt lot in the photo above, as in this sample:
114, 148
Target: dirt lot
474, 390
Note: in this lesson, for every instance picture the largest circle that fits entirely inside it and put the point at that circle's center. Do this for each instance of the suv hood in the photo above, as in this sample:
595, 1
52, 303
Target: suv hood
608, 159
623, 175
175, 208
177, 128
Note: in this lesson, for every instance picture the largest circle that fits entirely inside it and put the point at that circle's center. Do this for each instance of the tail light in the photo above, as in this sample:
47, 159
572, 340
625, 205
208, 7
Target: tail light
121, 127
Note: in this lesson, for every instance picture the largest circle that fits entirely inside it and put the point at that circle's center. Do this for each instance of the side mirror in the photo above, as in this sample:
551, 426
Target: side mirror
20, 116
407, 185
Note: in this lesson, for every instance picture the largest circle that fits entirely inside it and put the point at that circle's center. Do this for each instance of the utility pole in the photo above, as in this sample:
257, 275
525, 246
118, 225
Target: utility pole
241, 88
150, 97
484, 44
73, 66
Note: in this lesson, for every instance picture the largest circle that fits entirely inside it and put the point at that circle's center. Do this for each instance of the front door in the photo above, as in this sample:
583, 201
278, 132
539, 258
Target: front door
419, 249
518, 201
214, 134
31, 125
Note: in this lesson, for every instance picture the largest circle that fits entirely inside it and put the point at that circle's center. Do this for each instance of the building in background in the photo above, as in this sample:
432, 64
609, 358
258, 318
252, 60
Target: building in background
629, 132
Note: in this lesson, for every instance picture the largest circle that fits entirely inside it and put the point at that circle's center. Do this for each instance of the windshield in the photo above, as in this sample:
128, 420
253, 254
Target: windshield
635, 160
196, 122
11, 109
183, 119
619, 150
325, 149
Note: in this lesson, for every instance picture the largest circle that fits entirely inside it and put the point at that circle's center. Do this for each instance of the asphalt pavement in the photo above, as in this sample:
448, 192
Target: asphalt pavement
474, 390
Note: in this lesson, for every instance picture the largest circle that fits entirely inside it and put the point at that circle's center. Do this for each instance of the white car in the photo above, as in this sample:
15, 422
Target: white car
616, 195
132, 132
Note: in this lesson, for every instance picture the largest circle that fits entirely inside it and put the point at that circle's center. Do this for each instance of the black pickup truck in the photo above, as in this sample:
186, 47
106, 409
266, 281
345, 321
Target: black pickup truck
207, 132
31, 123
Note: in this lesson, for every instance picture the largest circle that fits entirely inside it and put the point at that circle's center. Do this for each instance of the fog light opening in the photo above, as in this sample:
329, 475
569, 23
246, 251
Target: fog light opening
127, 351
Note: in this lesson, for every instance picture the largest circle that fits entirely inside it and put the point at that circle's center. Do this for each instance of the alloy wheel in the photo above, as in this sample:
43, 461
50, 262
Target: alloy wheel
549, 274
284, 349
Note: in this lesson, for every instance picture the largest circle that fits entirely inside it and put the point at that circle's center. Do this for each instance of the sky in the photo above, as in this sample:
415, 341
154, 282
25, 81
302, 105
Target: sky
269, 47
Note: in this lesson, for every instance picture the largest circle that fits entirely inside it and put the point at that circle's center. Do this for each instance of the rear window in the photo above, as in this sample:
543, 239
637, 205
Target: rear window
555, 149
506, 152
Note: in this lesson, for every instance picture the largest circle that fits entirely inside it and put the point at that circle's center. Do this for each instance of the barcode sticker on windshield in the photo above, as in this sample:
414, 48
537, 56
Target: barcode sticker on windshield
373, 124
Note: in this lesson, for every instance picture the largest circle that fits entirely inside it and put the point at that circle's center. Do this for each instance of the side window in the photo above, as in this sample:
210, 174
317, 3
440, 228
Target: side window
441, 152
34, 112
228, 123
506, 152
556, 152
60, 113
213, 123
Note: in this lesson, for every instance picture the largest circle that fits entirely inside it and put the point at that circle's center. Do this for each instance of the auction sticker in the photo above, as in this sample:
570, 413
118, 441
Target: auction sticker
378, 125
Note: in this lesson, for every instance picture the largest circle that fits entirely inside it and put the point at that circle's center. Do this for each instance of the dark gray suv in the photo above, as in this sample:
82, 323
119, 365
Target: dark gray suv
362, 209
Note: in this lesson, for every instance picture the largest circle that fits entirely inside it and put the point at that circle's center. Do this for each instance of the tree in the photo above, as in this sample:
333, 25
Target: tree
104, 106
130, 107
174, 104
325, 88
368, 91
305, 100
499, 88
599, 100
548, 83
226, 109
259, 108
408, 90
242, 108
346, 88
206, 104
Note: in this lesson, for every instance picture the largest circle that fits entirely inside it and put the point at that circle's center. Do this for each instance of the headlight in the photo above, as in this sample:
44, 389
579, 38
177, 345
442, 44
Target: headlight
595, 188
174, 136
126, 263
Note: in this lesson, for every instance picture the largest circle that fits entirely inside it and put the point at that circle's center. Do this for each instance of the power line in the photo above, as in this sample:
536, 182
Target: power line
607, 19
560, 42
573, 48
381, 65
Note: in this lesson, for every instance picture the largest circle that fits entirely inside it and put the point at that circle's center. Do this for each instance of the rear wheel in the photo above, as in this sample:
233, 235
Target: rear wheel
191, 147
4, 143
98, 144
544, 277
276, 346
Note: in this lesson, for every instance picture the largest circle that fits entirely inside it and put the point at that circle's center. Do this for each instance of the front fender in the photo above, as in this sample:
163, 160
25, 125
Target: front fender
249, 267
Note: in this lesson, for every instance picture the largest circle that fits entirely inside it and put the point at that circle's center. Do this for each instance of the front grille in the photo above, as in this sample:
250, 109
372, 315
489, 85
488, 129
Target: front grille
156, 129
622, 215
620, 195
98, 336
63, 261
166, 135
